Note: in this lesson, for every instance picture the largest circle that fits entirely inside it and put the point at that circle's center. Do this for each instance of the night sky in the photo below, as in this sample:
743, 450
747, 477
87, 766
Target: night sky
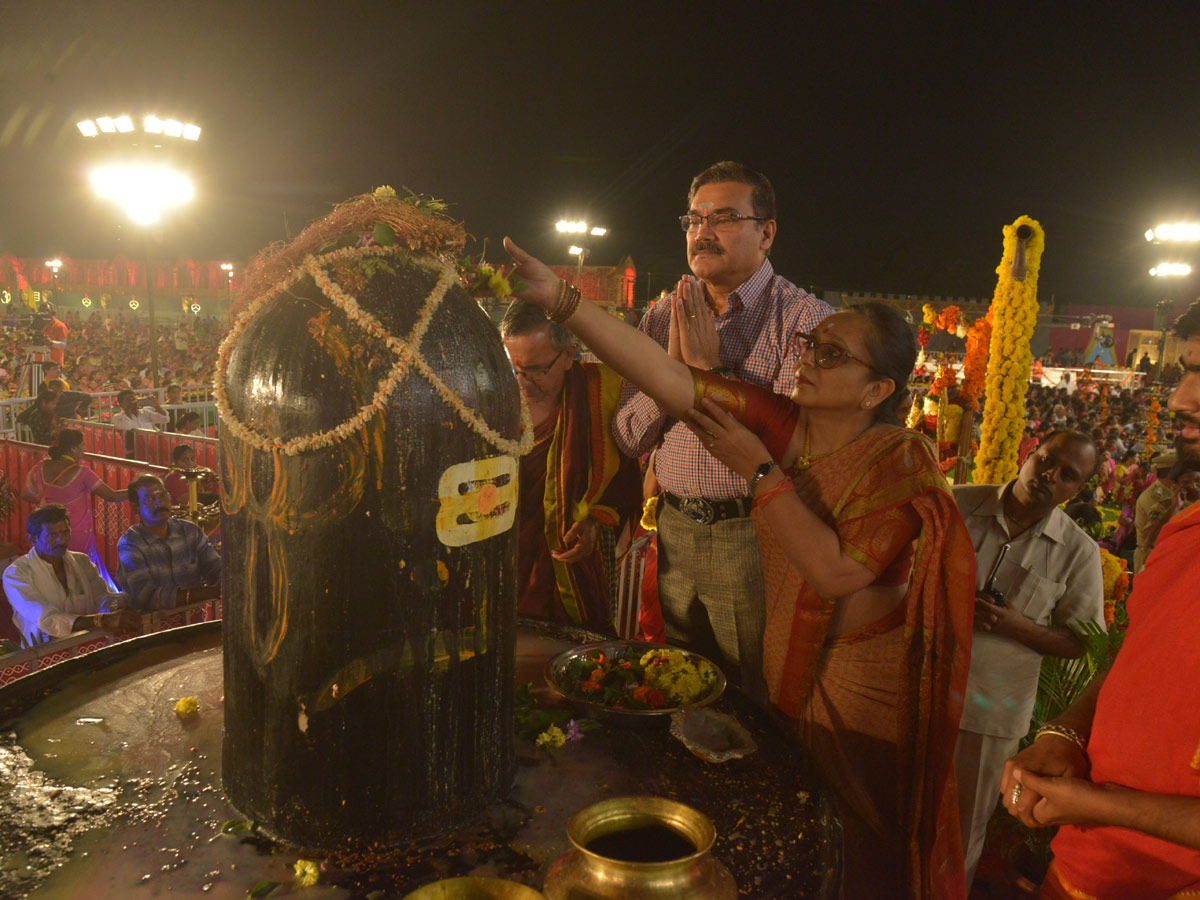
899, 143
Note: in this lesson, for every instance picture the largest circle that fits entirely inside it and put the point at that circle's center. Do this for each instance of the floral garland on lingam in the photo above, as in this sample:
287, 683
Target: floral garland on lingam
406, 351
1014, 313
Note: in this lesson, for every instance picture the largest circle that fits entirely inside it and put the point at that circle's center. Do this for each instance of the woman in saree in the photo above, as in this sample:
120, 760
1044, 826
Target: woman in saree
63, 478
869, 571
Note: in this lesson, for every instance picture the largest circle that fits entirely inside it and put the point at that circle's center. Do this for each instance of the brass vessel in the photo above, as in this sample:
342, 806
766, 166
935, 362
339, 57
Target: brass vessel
474, 889
585, 874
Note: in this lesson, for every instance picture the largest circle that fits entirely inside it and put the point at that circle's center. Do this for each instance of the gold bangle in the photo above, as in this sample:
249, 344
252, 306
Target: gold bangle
1062, 731
562, 312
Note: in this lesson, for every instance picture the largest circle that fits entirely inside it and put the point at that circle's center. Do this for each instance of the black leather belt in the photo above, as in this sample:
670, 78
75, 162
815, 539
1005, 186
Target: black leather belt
705, 512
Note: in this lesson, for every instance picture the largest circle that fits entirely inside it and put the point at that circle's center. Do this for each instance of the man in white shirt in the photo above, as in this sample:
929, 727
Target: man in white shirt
1037, 574
133, 416
54, 591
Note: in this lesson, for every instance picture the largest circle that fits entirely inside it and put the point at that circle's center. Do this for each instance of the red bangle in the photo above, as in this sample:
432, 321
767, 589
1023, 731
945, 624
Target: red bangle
767, 496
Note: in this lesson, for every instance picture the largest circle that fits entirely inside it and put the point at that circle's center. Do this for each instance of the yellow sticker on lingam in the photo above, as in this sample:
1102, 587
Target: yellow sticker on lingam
478, 500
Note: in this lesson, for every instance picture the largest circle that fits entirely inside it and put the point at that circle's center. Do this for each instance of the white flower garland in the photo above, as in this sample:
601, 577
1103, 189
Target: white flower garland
407, 353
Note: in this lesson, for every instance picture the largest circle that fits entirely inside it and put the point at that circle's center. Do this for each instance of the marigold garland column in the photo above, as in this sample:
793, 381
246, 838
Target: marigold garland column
1014, 314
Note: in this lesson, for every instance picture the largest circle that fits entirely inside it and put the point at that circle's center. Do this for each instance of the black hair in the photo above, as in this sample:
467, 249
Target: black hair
523, 317
1187, 326
1081, 437
50, 514
762, 195
893, 355
121, 395
140, 482
64, 441
179, 450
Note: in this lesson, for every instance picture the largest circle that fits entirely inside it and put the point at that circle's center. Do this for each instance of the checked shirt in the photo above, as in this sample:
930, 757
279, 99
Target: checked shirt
756, 332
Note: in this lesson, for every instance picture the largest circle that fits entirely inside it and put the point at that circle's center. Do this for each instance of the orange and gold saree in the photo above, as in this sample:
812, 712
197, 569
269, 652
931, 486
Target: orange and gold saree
878, 707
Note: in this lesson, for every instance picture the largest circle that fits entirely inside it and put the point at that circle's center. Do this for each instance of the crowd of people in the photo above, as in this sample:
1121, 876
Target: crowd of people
110, 351
809, 544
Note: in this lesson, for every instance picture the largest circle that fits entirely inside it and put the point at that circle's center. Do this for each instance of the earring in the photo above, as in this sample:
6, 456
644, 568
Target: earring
867, 405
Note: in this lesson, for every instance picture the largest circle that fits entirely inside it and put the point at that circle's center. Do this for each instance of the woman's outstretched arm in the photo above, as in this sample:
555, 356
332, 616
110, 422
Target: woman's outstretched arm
631, 354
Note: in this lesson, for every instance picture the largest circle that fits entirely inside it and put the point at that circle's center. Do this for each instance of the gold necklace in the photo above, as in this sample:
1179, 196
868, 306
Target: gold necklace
807, 460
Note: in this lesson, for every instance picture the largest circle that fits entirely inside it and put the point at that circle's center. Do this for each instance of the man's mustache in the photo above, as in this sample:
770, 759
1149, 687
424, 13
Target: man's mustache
710, 246
1182, 419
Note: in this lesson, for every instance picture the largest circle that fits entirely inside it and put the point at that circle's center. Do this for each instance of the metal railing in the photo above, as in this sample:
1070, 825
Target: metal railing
627, 605
143, 444
30, 659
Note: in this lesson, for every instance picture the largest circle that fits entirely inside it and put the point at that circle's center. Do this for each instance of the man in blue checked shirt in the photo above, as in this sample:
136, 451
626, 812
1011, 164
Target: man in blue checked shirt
165, 562
709, 574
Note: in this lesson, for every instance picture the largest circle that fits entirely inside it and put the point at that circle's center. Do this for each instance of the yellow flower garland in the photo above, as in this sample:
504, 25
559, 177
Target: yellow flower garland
1014, 313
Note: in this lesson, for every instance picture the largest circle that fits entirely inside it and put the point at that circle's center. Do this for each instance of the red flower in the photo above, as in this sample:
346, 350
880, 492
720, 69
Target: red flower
590, 686
640, 694
655, 699
597, 675
626, 664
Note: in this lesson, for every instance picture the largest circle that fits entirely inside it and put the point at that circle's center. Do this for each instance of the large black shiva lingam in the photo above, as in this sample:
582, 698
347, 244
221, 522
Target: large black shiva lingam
370, 429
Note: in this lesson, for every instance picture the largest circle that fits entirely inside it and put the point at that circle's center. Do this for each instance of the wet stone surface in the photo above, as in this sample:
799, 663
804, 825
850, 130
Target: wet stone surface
106, 792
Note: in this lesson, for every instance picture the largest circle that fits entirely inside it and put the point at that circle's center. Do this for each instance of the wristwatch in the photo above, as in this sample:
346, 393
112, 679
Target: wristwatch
760, 473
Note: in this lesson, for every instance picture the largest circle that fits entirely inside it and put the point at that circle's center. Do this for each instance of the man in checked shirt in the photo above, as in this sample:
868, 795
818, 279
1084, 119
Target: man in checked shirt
709, 574
165, 562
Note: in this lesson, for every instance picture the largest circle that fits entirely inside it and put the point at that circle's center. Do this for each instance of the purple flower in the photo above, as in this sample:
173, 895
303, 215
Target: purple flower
573, 731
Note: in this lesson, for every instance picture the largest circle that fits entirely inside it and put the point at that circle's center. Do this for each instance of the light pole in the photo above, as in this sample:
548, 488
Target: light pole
54, 265
580, 227
142, 185
227, 268
1166, 270
1170, 233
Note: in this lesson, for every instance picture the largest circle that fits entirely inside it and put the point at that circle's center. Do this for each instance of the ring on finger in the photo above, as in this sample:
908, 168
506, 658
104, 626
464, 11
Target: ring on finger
1015, 795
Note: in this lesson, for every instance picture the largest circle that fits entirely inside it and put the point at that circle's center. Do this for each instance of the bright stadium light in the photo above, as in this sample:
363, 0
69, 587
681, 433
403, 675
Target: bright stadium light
1169, 269
172, 128
106, 124
144, 192
191, 132
599, 232
124, 124
1175, 232
88, 128
152, 125
575, 251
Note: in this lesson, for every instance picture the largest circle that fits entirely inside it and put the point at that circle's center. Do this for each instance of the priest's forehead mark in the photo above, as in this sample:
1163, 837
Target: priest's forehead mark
707, 204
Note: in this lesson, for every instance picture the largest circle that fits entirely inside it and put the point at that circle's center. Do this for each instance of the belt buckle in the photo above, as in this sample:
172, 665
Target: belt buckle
698, 510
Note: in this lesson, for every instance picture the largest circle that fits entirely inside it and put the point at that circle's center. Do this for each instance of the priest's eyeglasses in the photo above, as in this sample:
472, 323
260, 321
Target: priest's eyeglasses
826, 356
720, 221
539, 371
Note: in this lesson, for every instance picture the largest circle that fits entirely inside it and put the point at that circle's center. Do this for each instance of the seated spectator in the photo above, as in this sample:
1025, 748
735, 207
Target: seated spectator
52, 371
134, 416
165, 562
188, 423
54, 591
174, 397
183, 459
69, 404
40, 418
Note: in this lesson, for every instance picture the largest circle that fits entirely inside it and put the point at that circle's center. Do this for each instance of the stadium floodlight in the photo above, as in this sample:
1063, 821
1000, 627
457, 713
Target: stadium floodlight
106, 124
152, 125
172, 128
191, 132
144, 192
88, 128
124, 124
597, 231
1170, 269
1175, 232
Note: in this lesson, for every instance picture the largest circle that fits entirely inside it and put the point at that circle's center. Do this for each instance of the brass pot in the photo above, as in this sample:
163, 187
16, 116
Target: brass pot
585, 874
474, 889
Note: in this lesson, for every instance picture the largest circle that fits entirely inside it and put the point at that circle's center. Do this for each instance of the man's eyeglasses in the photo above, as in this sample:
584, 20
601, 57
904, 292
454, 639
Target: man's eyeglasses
826, 356
539, 371
722, 221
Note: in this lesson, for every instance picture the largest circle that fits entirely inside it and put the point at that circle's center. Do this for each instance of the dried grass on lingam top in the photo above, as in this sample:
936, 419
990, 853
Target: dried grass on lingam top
423, 229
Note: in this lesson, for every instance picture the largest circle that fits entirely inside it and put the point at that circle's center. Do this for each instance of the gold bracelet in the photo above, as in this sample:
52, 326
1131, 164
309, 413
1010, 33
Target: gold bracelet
1064, 732
560, 302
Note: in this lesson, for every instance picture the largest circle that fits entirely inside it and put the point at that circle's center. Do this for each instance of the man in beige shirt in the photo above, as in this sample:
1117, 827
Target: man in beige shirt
1037, 573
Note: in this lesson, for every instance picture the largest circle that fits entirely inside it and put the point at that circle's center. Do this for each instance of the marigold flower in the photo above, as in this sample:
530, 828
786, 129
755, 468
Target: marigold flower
552, 738
308, 872
188, 706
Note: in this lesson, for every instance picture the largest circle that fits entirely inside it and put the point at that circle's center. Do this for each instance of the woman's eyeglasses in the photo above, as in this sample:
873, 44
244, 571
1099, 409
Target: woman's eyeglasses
826, 356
